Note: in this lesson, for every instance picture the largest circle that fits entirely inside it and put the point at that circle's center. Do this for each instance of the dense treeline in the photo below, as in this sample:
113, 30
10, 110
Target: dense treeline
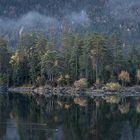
96, 57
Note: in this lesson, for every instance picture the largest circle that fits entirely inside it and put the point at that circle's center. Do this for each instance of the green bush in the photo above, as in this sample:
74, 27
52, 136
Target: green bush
3, 78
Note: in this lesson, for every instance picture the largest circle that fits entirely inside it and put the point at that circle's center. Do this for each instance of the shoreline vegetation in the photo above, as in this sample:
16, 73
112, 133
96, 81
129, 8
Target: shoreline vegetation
74, 63
49, 91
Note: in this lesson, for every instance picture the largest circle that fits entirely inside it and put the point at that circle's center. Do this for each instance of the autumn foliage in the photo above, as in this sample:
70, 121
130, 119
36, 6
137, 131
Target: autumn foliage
124, 77
82, 83
124, 108
112, 86
138, 75
15, 58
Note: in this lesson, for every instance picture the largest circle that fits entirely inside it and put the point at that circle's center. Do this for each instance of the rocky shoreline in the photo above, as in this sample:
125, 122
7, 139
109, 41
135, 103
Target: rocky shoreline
49, 91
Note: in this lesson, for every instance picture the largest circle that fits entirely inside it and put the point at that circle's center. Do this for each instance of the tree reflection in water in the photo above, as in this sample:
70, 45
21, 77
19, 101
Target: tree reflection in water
32, 117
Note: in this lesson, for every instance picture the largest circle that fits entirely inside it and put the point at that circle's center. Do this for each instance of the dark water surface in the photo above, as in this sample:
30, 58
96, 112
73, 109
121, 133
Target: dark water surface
28, 117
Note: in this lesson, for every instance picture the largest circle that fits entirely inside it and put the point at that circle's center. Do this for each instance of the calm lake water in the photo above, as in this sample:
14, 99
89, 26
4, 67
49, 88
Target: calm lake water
28, 117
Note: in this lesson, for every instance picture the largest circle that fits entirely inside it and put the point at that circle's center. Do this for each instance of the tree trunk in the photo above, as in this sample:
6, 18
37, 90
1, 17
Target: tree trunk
97, 62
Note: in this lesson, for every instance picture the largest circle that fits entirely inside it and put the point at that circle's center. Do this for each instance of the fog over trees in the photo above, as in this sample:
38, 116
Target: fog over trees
106, 16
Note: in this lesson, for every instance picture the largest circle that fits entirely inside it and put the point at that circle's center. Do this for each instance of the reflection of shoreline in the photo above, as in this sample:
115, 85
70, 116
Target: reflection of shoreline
36, 117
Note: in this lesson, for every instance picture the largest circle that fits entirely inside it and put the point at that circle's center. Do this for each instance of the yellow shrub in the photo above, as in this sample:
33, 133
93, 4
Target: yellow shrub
82, 83
138, 75
98, 82
113, 86
124, 76
81, 102
124, 108
138, 108
66, 106
67, 76
112, 99
15, 58
60, 79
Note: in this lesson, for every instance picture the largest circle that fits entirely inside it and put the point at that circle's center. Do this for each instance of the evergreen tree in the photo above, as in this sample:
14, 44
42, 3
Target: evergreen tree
4, 61
66, 47
51, 65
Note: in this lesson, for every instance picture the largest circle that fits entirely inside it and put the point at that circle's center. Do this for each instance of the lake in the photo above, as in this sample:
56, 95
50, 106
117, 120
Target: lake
31, 117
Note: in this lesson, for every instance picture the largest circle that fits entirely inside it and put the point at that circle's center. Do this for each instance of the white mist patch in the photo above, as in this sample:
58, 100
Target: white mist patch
80, 18
29, 22
36, 21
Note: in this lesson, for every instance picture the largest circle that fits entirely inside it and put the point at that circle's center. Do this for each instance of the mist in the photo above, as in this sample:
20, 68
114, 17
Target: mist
36, 21
90, 15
